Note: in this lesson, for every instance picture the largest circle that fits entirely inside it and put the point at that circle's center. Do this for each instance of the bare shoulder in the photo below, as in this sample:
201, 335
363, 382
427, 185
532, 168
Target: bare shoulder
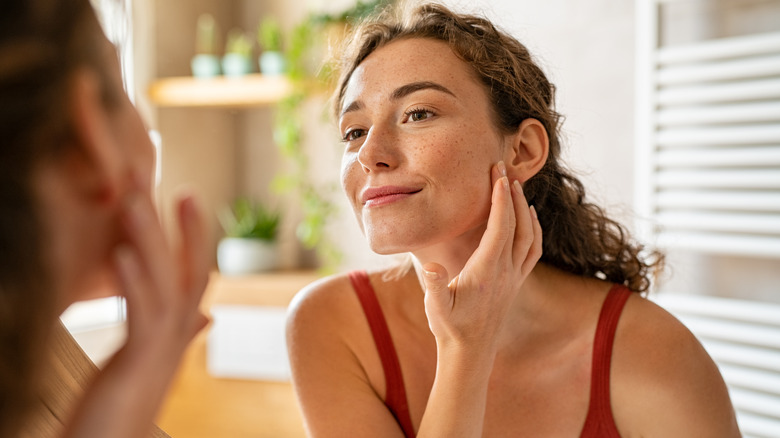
663, 381
326, 301
335, 368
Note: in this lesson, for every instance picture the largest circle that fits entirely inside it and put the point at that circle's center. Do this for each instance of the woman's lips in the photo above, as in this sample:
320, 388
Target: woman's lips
376, 196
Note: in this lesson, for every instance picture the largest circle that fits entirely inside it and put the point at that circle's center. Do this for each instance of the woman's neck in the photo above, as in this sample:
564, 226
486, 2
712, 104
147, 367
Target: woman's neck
452, 254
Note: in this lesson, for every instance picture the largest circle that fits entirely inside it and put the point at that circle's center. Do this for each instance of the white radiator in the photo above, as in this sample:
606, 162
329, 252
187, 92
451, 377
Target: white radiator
708, 139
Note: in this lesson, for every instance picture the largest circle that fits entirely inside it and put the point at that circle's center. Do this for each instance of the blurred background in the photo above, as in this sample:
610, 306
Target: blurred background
589, 50
672, 120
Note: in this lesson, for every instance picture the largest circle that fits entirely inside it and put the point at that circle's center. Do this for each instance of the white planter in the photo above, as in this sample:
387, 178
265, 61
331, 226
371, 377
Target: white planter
272, 63
236, 256
235, 65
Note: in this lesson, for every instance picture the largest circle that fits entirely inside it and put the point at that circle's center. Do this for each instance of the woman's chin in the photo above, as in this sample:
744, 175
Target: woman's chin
383, 247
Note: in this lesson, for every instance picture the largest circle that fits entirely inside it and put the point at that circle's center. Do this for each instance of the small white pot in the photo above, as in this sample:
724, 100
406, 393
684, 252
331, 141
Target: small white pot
237, 256
272, 63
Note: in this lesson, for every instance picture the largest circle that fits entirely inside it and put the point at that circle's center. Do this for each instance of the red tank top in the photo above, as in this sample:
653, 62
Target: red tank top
598, 424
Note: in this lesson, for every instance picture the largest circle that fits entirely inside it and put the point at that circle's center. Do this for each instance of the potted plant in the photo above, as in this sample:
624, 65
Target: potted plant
269, 37
205, 63
238, 54
249, 244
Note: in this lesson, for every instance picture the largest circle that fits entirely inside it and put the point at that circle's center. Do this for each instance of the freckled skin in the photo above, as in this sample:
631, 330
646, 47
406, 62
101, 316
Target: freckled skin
443, 154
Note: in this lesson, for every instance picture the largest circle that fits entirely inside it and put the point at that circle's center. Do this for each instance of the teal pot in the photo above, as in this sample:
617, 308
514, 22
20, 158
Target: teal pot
235, 65
205, 66
240, 256
272, 63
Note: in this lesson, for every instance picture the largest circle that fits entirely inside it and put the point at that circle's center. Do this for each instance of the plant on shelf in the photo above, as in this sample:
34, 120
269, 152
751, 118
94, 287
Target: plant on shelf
269, 37
205, 63
249, 244
238, 54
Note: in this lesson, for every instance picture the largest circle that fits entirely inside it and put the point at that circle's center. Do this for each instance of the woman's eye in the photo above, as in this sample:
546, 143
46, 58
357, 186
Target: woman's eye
417, 115
353, 134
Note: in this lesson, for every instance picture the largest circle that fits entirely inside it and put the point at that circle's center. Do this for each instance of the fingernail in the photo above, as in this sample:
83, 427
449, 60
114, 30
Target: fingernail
518, 187
505, 182
431, 275
502, 168
533, 213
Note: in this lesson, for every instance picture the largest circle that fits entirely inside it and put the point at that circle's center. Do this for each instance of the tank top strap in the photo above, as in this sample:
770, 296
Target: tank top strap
395, 398
600, 422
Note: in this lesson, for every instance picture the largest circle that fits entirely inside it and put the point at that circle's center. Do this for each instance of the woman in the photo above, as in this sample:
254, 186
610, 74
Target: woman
507, 324
78, 221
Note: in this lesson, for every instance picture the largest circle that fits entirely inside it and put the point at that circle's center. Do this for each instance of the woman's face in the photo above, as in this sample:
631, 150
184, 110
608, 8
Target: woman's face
132, 155
419, 145
128, 129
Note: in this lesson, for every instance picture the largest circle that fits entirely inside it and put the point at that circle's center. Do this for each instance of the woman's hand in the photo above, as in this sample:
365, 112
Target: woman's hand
469, 311
163, 287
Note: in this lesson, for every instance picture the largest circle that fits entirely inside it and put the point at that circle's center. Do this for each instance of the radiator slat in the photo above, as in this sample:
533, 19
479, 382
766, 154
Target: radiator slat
728, 200
759, 90
757, 426
719, 114
717, 221
721, 243
755, 403
721, 157
720, 49
725, 179
730, 135
740, 69
752, 379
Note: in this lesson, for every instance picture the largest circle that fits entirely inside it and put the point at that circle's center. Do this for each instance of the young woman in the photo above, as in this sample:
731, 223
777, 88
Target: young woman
513, 320
78, 221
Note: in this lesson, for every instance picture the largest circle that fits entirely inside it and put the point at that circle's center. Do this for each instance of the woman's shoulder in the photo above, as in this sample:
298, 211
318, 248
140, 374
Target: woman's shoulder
660, 370
330, 301
323, 301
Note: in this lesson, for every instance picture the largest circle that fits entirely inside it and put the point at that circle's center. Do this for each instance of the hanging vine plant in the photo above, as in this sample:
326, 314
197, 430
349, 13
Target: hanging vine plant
289, 124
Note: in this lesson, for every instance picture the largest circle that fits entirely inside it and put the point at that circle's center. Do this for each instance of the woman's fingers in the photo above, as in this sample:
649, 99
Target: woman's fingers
501, 223
193, 254
439, 297
145, 234
133, 281
535, 252
525, 235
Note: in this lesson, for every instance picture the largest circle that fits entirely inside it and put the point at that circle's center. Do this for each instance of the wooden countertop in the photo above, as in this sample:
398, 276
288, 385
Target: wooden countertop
202, 406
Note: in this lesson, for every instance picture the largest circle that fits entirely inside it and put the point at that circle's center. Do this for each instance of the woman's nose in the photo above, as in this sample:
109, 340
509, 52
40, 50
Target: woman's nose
378, 151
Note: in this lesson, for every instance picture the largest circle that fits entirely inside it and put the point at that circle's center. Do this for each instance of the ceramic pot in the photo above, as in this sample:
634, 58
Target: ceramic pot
205, 66
236, 65
238, 256
272, 63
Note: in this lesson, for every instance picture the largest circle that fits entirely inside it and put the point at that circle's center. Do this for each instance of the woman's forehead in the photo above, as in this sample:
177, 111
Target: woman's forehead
408, 61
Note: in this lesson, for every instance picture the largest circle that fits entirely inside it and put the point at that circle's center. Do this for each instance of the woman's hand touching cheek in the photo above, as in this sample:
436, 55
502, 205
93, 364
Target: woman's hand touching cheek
468, 312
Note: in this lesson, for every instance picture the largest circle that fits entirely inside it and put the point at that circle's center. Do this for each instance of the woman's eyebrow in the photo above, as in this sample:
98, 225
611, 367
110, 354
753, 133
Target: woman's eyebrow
408, 89
401, 92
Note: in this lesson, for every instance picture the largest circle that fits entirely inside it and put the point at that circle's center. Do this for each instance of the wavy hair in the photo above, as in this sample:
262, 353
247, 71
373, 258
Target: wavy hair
579, 237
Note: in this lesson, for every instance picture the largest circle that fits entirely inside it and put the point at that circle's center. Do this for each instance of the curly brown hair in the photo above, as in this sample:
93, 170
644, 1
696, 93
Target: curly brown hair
578, 236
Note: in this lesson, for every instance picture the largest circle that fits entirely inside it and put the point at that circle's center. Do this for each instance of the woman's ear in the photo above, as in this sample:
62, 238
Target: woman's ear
94, 159
526, 150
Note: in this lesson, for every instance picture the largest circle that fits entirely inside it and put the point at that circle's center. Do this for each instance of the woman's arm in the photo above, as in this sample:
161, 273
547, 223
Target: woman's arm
163, 291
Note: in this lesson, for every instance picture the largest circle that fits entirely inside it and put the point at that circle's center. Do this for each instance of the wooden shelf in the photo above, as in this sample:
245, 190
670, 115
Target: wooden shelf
219, 92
